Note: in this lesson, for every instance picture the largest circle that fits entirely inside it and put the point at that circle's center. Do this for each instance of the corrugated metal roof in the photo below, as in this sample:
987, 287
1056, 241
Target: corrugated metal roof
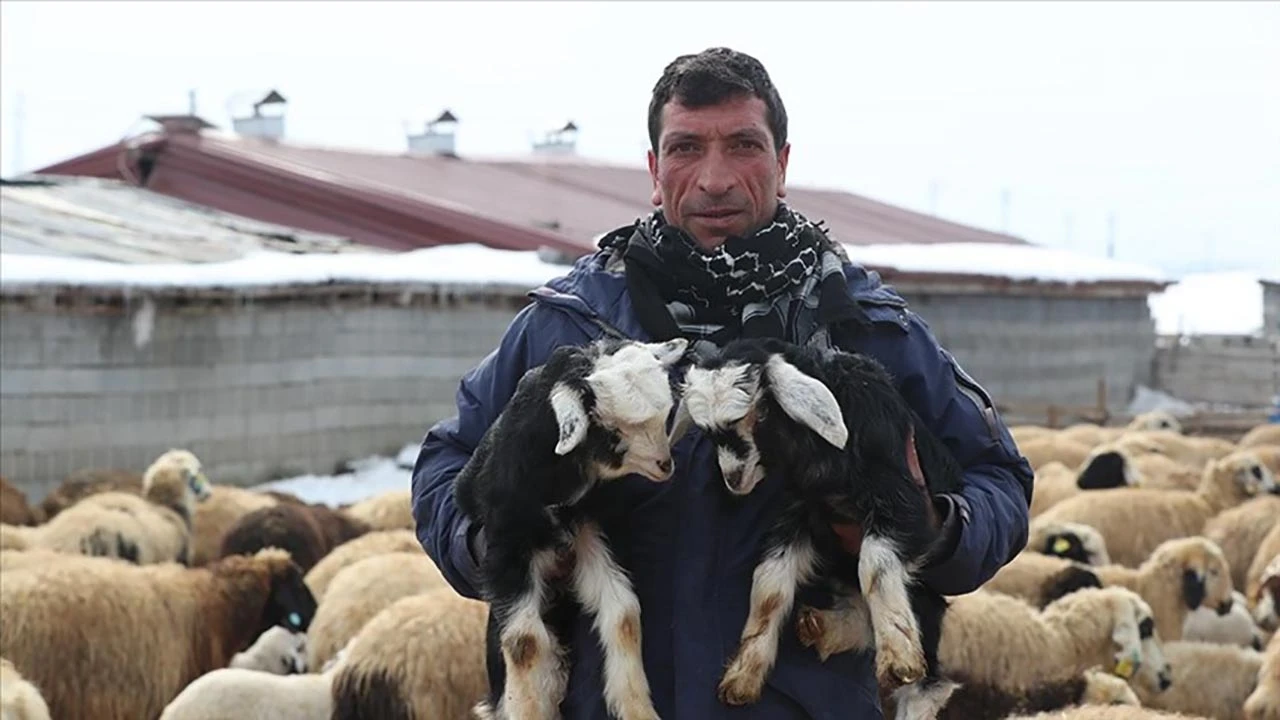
111, 220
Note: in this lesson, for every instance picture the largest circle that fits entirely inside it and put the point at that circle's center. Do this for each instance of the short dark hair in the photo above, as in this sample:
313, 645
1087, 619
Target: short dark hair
710, 78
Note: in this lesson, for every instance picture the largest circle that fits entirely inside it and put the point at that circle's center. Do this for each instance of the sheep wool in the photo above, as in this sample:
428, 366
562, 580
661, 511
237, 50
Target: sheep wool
240, 694
377, 542
1264, 434
1264, 702
1235, 628
116, 641
1209, 680
1073, 541
393, 668
386, 511
1240, 532
1101, 712
1266, 553
216, 515
1135, 521
14, 509
19, 699
1039, 579
359, 592
1055, 448
83, 483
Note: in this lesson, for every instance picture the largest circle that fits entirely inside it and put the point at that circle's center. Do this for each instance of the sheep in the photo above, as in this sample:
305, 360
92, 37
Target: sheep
1237, 627
114, 641
1209, 680
1105, 712
393, 667
359, 592
19, 699
151, 528
1040, 579
1004, 642
585, 417
278, 650
1158, 472
1134, 520
1264, 434
1114, 463
1060, 448
835, 425
1264, 702
1023, 433
1270, 456
1262, 557
385, 511
1240, 532
1194, 452
1090, 434
239, 694
308, 532
83, 483
1101, 469
352, 551
972, 701
1072, 541
1265, 597
215, 516
14, 509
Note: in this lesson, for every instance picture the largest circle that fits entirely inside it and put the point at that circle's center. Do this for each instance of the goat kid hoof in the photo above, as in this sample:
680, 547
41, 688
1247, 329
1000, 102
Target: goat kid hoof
809, 627
739, 687
896, 669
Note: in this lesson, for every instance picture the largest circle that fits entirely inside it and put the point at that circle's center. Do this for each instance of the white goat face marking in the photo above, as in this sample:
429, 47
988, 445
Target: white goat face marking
633, 397
721, 402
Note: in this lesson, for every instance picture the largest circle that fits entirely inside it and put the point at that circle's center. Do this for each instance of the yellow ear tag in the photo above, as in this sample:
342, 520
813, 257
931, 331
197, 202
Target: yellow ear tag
1061, 545
1124, 668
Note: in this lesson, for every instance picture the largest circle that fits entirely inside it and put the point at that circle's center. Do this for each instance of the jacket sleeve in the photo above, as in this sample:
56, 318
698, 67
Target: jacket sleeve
444, 532
985, 525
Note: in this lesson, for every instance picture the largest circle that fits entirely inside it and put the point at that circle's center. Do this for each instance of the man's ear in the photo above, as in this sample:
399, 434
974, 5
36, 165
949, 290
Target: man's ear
656, 197
571, 416
784, 157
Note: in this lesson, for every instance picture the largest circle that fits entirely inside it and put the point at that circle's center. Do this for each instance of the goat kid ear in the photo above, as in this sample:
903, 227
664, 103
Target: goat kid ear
571, 416
670, 352
807, 401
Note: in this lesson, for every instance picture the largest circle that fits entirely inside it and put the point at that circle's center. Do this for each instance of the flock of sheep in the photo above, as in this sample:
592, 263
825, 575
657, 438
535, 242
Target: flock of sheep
1149, 588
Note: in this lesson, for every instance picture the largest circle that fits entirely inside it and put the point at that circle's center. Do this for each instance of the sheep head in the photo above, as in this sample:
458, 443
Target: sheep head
1249, 476
1140, 653
178, 468
723, 400
1156, 420
627, 395
1204, 570
1266, 599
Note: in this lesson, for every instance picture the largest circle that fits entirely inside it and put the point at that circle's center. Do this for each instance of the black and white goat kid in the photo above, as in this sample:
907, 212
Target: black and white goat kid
835, 425
587, 415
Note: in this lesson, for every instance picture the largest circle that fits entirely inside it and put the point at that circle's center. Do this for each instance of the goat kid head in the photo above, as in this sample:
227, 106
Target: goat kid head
627, 394
724, 402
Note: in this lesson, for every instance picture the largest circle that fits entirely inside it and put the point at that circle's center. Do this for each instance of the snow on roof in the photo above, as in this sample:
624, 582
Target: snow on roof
446, 264
1214, 303
1018, 262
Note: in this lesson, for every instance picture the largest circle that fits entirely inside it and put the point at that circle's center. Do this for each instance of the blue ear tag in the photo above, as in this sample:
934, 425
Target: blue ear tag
295, 619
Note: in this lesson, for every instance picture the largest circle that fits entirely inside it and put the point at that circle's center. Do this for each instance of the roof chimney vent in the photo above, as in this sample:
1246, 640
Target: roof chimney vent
438, 137
269, 126
558, 142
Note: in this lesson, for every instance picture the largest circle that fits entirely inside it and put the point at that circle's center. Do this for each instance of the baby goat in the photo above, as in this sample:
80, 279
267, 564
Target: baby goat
589, 414
838, 429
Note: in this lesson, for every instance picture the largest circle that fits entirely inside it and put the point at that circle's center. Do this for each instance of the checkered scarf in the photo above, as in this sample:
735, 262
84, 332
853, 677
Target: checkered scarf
785, 281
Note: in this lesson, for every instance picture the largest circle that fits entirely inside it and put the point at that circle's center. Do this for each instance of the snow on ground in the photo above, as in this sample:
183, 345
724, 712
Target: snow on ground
1021, 262
465, 263
1215, 303
368, 477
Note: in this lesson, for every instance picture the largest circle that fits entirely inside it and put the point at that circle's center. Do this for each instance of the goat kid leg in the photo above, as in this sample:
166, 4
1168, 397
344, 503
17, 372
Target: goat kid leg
847, 626
900, 655
605, 591
536, 675
773, 592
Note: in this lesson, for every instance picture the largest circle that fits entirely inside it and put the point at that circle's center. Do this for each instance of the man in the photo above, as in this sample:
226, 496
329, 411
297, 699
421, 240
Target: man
721, 257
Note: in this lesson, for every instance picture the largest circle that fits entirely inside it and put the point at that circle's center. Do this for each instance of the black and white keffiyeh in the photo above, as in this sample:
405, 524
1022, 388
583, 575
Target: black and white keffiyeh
784, 281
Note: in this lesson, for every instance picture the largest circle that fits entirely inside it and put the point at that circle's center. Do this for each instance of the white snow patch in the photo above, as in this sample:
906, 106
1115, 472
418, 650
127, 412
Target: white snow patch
1020, 262
408, 455
1216, 303
457, 264
1146, 399
369, 477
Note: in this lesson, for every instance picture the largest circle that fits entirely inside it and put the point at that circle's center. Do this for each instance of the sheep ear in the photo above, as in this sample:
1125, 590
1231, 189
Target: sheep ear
571, 416
1124, 633
807, 401
670, 352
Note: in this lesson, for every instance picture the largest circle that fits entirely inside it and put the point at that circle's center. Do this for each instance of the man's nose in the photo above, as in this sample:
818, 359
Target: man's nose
715, 176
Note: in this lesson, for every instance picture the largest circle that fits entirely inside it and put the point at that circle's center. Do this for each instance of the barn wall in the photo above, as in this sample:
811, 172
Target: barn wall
1271, 308
1028, 350
1220, 369
257, 390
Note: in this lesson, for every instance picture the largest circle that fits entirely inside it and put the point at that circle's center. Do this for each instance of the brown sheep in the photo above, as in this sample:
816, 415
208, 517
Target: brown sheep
1264, 434
377, 542
308, 532
393, 667
111, 641
14, 509
215, 516
83, 483
1240, 532
1134, 521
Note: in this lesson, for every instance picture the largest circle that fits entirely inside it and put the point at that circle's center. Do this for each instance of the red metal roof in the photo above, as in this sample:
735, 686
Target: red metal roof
404, 201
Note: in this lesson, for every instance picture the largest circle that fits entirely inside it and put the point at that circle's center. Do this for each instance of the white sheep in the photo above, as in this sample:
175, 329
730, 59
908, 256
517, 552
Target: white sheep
19, 699
353, 551
1135, 521
391, 510
1073, 541
1264, 702
1235, 628
234, 693
586, 416
109, 640
1209, 680
279, 651
1241, 531
152, 528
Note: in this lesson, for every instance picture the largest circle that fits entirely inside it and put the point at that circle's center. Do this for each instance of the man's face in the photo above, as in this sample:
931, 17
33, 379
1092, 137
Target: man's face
716, 173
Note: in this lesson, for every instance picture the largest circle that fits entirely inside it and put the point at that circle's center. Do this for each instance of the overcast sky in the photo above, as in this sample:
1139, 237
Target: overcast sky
1167, 114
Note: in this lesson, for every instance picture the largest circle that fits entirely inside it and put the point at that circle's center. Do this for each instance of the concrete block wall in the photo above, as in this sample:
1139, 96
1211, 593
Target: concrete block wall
258, 390
1229, 370
1038, 349
1271, 308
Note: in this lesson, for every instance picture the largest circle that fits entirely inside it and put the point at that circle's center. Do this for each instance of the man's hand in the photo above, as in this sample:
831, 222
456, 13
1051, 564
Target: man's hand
850, 534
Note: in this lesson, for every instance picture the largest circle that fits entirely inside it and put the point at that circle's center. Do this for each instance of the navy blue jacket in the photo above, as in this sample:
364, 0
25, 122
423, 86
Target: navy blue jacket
689, 547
